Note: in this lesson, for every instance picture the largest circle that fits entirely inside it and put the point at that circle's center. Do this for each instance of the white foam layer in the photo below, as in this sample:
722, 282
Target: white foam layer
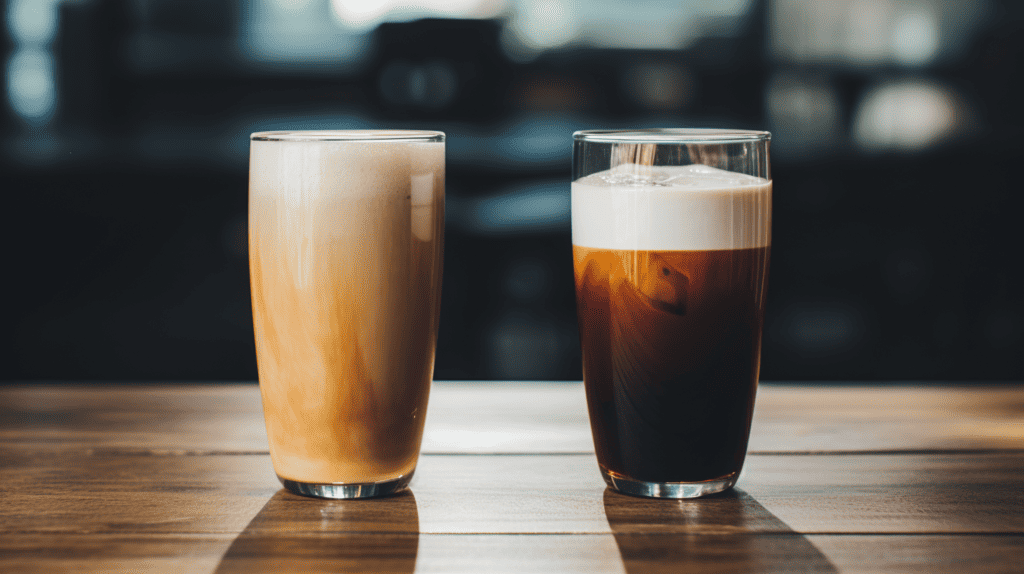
297, 170
677, 208
306, 177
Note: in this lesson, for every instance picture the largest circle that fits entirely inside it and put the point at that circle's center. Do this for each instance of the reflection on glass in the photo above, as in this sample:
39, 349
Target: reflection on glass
729, 532
299, 534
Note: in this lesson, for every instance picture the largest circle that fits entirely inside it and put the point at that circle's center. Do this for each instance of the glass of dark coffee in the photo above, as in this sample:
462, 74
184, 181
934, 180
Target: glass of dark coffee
671, 233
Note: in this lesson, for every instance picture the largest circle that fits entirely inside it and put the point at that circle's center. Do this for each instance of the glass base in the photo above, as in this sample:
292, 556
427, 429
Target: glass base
359, 490
635, 487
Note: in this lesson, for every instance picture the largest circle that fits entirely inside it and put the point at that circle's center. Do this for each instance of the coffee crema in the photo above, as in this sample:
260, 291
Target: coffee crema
671, 266
345, 248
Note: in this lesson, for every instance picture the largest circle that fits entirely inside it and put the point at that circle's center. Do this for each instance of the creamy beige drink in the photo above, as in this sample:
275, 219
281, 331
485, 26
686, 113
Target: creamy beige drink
345, 240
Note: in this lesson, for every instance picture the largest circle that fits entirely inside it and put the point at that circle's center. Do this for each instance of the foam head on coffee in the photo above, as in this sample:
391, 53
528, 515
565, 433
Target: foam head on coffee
302, 174
671, 208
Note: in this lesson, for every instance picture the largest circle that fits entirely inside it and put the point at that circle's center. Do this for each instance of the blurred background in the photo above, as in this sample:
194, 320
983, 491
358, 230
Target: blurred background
896, 127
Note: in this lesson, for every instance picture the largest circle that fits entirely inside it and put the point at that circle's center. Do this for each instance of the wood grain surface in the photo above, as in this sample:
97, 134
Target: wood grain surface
517, 494
176, 479
515, 417
558, 553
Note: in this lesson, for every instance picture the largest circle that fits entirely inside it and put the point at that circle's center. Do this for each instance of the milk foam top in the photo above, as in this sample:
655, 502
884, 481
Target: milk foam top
304, 172
294, 169
671, 208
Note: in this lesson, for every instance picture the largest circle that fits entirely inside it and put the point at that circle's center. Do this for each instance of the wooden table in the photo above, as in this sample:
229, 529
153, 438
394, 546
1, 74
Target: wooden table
839, 479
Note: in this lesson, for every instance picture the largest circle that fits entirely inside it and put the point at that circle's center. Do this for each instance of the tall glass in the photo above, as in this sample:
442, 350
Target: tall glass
345, 245
671, 233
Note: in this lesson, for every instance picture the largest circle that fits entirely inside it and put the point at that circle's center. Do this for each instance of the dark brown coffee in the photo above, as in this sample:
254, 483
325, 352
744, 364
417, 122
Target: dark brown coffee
671, 351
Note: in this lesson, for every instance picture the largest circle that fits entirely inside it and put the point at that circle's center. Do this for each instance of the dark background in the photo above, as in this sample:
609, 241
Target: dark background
897, 141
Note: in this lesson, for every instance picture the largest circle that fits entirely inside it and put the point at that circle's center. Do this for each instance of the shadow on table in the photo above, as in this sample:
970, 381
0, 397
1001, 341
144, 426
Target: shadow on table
729, 532
294, 533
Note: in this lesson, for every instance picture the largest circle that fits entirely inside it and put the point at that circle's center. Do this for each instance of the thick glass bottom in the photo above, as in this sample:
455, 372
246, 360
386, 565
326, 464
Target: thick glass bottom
667, 489
361, 490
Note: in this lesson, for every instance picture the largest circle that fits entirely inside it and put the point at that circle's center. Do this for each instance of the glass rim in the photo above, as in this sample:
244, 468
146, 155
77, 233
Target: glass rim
352, 136
672, 136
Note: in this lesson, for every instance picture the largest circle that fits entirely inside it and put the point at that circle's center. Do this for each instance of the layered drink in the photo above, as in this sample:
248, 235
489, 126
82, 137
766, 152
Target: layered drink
671, 265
